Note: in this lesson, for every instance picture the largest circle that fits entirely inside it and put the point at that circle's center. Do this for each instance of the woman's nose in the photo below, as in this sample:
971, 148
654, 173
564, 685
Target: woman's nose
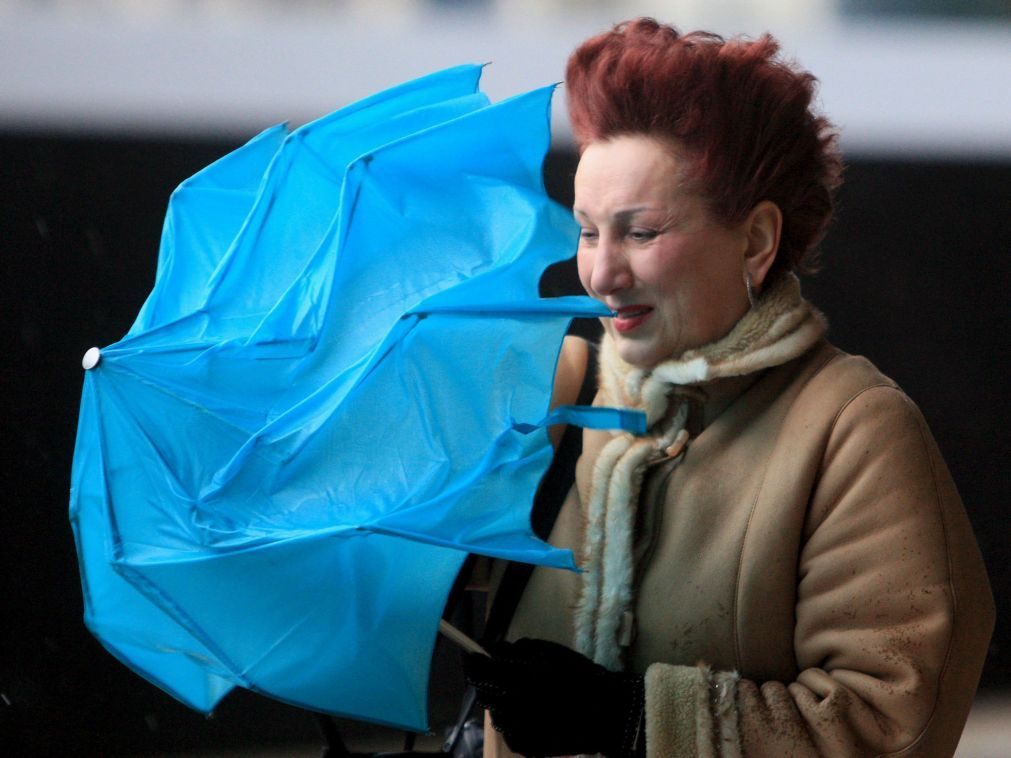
610, 272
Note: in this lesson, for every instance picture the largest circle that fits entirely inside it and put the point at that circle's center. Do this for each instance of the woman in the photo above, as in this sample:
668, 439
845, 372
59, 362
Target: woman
781, 565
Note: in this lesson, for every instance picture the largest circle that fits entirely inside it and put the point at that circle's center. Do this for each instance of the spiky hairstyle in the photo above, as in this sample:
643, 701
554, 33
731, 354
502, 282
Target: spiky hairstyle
740, 114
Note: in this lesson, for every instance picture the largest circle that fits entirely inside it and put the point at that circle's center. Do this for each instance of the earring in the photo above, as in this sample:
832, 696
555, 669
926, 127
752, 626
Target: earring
750, 287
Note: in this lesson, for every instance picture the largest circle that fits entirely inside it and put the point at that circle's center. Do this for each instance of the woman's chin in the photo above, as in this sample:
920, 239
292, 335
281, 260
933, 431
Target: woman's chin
638, 353
637, 347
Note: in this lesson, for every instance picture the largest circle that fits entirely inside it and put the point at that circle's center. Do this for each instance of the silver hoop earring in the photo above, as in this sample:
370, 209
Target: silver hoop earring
750, 287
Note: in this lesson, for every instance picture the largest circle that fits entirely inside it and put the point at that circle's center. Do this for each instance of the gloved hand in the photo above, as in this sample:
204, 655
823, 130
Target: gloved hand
549, 700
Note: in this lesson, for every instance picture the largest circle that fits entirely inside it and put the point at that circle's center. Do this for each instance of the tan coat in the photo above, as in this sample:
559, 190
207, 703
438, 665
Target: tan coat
812, 541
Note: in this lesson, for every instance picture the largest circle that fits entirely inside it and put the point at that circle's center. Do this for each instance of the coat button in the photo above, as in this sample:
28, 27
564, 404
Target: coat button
626, 630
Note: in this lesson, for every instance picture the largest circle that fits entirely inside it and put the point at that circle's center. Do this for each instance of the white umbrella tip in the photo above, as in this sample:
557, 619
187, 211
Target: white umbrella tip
91, 358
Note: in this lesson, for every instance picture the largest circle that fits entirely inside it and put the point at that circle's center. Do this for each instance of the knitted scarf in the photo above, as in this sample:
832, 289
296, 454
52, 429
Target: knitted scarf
781, 326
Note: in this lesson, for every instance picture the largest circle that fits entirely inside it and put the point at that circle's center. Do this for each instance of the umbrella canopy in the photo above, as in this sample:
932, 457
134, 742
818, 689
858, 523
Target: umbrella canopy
338, 388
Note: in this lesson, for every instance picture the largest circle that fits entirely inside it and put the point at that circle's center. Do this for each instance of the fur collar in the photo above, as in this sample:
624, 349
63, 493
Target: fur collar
781, 327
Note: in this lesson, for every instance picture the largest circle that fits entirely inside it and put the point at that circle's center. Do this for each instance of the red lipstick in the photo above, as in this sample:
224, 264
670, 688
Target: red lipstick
630, 317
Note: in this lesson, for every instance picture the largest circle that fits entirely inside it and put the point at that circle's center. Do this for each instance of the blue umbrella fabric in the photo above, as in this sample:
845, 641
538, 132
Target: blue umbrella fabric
337, 389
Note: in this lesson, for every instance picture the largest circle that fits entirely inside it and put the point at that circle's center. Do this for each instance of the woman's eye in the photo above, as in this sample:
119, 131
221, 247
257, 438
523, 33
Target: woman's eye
588, 235
641, 235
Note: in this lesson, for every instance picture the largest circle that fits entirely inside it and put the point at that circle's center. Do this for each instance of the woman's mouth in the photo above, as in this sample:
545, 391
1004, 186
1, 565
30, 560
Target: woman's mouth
630, 317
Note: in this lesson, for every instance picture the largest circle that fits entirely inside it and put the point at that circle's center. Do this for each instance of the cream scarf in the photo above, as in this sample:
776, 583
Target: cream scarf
781, 326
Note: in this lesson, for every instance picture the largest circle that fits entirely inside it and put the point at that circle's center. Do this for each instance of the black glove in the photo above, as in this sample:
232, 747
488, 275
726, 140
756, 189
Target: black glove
549, 700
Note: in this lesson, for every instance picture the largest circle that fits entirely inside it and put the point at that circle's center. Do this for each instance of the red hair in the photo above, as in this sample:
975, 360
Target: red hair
742, 115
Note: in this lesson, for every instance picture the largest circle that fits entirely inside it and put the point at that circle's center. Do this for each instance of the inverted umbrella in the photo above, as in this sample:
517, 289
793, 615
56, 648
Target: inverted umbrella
338, 388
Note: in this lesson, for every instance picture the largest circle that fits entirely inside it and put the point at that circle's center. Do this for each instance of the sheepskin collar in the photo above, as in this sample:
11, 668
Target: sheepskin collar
780, 327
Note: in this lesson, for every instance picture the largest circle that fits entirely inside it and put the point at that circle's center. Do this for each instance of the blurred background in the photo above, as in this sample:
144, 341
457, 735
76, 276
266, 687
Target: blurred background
106, 105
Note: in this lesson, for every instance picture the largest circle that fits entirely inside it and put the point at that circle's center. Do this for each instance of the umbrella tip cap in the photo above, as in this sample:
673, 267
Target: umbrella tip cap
91, 358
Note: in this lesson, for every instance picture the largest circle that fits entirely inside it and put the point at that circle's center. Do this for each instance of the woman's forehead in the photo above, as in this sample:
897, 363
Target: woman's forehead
625, 175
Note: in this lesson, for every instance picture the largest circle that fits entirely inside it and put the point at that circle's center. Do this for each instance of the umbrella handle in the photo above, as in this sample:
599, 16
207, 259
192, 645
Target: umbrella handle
460, 638
449, 746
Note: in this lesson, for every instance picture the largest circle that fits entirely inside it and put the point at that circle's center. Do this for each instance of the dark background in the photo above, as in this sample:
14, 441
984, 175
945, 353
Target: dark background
916, 277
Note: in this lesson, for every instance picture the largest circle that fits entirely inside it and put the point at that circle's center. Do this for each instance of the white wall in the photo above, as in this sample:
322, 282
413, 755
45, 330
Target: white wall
224, 67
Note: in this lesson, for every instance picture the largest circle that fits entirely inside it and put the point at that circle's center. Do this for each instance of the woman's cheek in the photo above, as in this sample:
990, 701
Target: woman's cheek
584, 267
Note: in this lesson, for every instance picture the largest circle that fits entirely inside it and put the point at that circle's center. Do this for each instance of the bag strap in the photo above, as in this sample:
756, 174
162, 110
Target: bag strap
551, 493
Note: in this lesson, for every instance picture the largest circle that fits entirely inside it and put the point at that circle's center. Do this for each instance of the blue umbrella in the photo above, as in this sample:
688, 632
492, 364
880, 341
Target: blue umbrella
337, 389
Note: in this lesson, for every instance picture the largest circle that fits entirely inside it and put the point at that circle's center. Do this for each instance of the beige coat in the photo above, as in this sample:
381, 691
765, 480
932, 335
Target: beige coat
812, 542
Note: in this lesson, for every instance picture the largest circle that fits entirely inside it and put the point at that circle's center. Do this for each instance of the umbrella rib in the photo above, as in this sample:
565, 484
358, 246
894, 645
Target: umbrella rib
451, 632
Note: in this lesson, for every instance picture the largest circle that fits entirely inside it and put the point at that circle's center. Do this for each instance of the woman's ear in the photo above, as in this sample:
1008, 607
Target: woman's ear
762, 229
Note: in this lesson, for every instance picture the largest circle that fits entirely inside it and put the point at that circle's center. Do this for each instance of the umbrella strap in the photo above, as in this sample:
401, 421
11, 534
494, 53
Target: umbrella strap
551, 494
547, 503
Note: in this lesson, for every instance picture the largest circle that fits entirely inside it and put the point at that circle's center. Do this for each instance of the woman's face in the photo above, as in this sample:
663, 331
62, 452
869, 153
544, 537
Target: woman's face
650, 251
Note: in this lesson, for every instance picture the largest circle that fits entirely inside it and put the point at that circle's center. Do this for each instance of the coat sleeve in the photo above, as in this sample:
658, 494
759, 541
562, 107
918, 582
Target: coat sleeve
893, 613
